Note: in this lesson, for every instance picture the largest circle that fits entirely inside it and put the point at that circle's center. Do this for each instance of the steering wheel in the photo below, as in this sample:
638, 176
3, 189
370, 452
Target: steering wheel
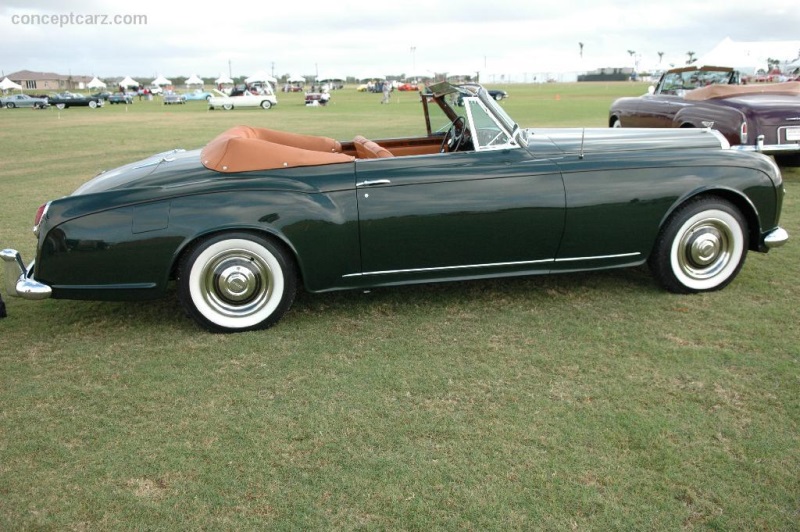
455, 135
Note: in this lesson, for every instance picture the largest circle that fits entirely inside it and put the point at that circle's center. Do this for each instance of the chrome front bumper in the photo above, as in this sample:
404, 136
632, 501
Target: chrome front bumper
19, 279
776, 238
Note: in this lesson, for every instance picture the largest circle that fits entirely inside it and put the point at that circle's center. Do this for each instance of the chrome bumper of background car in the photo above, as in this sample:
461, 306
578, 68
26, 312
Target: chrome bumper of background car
760, 147
19, 280
776, 238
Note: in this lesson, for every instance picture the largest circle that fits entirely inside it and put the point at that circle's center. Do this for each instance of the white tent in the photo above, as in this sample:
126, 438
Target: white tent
194, 80
367, 77
223, 80
748, 57
161, 80
294, 78
128, 82
7, 85
261, 76
96, 84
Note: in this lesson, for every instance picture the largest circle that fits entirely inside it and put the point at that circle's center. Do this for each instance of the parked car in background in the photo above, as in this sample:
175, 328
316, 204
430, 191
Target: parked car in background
120, 97
23, 100
495, 94
63, 100
239, 99
171, 98
239, 224
197, 94
762, 117
407, 87
102, 95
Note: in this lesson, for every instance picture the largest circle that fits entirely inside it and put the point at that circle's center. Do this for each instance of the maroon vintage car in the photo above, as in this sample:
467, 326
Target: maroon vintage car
763, 117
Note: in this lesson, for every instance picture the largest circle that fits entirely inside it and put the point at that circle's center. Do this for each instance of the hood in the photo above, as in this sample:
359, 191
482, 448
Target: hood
605, 140
168, 168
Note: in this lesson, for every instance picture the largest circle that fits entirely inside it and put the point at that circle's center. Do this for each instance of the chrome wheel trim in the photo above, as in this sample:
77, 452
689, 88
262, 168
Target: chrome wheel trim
227, 106
707, 249
617, 123
236, 283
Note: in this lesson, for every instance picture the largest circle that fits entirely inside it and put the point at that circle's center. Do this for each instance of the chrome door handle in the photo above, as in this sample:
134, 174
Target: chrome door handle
374, 182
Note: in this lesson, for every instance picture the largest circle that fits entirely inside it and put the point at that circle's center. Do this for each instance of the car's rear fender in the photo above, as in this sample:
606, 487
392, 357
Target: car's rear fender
726, 120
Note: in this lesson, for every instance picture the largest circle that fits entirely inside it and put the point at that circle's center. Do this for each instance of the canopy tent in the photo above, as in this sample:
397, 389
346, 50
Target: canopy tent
748, 57
96, 84
261, 76
194, 80
223, 80
128, 82
367, 77
294, 78
161, 80
8, 85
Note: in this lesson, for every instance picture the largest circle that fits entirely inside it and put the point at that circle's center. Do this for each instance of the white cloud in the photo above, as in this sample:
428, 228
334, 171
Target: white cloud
355, 36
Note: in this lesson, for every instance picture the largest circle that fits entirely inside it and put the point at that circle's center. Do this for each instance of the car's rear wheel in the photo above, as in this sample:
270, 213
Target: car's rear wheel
236, 282
11, 105
60, 105
701, 248
227, 106
266, 104
616, 122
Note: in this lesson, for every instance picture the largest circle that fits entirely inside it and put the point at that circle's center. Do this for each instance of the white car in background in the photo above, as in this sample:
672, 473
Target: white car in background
243, 98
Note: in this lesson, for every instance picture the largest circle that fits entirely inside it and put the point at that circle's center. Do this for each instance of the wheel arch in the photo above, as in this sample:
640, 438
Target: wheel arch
736, 198
274, 237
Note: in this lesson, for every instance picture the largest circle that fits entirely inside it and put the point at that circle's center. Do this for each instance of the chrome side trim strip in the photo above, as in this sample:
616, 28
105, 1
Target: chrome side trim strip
600, 257
491, 265
446, 268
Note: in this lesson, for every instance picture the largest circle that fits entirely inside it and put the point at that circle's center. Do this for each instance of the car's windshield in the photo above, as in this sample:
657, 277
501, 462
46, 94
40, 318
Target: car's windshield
682, 81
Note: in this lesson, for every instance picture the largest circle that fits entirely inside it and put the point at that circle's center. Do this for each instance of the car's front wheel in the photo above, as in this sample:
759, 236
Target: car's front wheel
227, 106
266, 104
616, 122
93, 104
236, 282
701, 248
61, 106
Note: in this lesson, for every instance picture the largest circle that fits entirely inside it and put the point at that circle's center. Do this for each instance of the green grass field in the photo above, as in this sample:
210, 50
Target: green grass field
588, 401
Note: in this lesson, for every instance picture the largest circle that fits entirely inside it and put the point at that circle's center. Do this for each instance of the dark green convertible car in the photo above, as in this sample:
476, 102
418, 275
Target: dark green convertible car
244, 222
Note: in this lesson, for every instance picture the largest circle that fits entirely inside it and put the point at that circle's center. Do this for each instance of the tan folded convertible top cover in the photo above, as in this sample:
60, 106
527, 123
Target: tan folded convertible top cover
727, 91
246, 149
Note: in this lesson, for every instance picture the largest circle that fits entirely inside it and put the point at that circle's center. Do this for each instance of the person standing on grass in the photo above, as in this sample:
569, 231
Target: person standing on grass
387, 88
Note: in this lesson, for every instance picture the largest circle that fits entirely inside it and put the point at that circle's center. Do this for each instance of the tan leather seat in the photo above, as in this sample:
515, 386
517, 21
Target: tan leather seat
367, 149
245, 149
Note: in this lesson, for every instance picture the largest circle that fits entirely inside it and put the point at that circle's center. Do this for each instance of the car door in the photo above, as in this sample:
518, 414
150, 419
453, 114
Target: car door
458, 215
655, 110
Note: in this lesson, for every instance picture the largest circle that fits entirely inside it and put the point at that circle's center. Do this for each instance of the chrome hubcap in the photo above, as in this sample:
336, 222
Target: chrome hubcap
705, 249
237, 283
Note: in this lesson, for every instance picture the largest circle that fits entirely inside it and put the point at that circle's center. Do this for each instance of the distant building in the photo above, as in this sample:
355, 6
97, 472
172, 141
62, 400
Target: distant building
48, 81
608, 74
